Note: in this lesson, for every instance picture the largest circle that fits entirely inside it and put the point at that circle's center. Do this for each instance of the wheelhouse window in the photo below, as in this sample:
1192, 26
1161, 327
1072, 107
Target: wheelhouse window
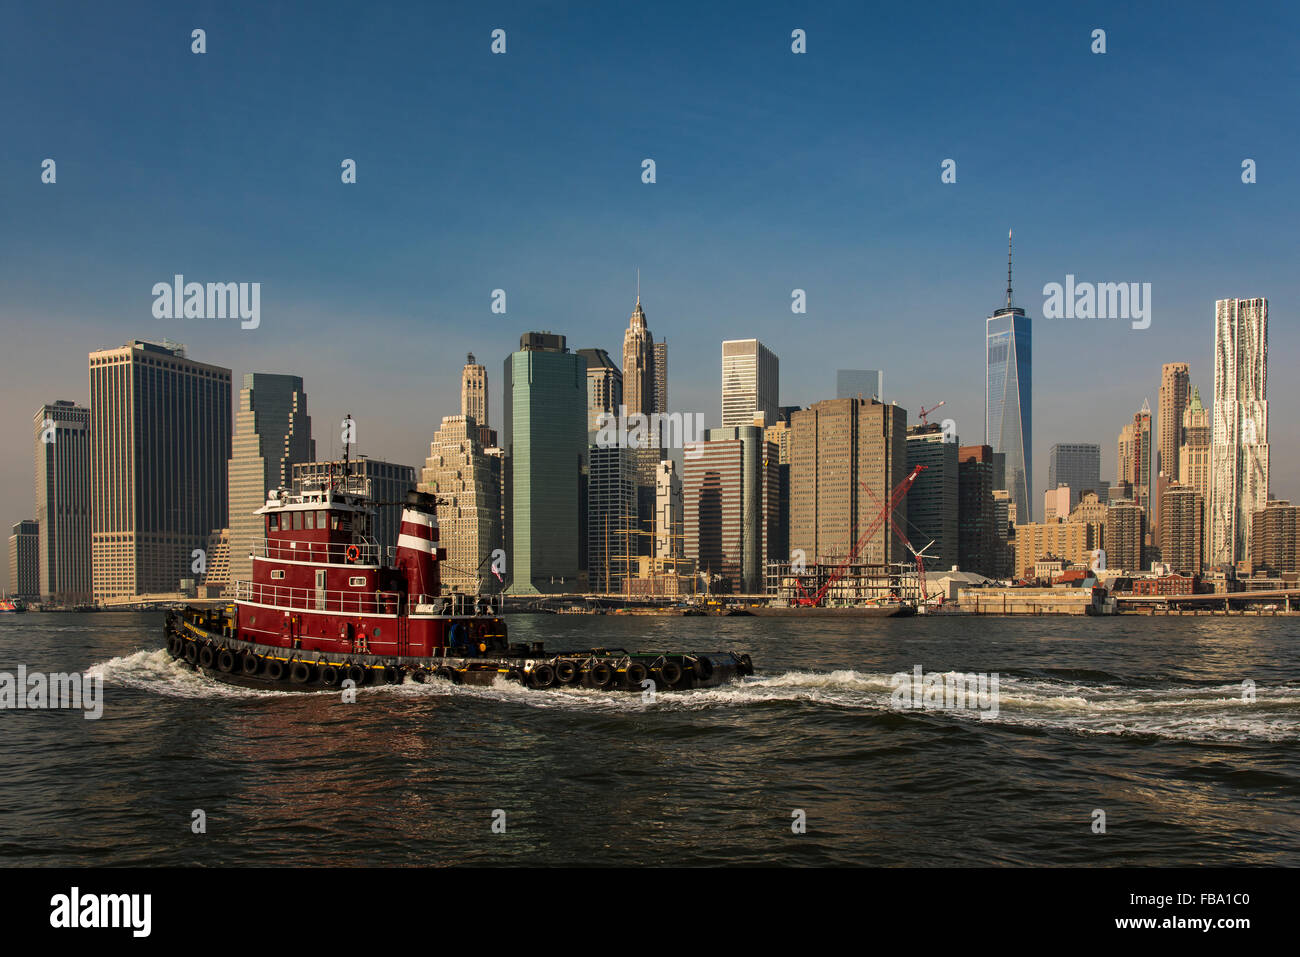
297, 521
273, 522
309, 518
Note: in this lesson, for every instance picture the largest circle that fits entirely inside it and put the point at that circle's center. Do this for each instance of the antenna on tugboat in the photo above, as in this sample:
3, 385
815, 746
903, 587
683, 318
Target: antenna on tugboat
347, 452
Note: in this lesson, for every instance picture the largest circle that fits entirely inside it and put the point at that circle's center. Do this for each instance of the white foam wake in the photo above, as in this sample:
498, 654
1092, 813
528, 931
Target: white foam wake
1181, 712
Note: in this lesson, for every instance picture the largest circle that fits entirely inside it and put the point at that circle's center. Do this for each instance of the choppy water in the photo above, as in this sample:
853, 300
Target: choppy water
1142, 718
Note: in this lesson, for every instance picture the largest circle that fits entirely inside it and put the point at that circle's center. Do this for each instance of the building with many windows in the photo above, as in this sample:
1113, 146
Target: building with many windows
846, 458
61, 436
272, 434
159, 444
545, 438
1239, 460
1008, 396
750, 384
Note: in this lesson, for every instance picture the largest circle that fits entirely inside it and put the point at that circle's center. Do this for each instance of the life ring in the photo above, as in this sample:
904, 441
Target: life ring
353, 553
601, 675
670, 672
543, 676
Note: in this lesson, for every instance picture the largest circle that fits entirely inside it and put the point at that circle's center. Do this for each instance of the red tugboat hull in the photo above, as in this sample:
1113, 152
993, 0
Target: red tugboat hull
205, 640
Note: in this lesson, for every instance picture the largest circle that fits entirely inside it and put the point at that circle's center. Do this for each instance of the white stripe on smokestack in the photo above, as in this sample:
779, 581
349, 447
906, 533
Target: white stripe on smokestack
415, 544
427, 519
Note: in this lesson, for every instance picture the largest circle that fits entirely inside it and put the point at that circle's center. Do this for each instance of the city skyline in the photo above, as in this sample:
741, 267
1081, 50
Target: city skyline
897, 266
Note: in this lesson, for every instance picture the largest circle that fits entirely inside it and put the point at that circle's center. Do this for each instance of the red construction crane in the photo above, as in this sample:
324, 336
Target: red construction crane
919, 556
895, 498
925, 412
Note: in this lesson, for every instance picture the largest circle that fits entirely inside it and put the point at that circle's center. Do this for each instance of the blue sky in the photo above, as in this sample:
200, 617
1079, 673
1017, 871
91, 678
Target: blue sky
775, 171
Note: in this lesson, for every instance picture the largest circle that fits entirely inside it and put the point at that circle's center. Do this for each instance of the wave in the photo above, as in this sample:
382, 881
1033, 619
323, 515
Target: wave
1071, 700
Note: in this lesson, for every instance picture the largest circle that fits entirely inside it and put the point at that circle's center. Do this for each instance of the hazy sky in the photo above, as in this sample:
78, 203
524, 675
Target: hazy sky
522, 171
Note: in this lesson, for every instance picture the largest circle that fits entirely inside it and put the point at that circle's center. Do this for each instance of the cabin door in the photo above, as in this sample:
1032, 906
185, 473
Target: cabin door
320, 589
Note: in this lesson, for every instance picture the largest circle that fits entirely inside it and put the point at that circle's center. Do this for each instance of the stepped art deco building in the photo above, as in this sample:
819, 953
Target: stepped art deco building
1008, 396
1239, 458
639, 379
61, 435
466, 479
272, 434
159, 444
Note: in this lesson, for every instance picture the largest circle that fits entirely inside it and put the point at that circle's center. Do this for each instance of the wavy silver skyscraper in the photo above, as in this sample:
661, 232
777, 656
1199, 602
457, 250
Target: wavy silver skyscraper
1239, 457
1008, 389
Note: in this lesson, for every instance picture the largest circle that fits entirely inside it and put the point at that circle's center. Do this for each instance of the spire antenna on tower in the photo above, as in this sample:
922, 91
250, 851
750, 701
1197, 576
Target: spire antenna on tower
638, 285
1008, 268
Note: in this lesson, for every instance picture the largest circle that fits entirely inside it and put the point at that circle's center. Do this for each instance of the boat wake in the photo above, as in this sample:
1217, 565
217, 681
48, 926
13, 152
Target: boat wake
1086, 703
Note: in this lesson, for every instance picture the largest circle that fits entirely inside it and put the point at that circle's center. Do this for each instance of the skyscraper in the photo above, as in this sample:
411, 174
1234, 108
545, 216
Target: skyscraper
604, 386
1194, 460
62, 441
932, 502
1076, 464
978, 548
1125, 532
1175, 389
474, 391
851, 383
668, 511
750, 383
159, 444
661, 376
838, 446
1181, 528
729, 503
24, 561
1008, 396
546, 446
272, 434
1134, 456
611, 517
467, 481
1239, 460
638, 364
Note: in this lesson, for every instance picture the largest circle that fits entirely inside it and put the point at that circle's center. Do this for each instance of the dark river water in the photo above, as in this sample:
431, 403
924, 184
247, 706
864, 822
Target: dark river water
1143, 719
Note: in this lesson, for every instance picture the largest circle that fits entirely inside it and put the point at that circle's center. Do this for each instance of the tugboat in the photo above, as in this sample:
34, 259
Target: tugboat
324, 608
